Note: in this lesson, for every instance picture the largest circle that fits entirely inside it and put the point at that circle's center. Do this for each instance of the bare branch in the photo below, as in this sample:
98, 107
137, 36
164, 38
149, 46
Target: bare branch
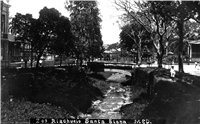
127, 6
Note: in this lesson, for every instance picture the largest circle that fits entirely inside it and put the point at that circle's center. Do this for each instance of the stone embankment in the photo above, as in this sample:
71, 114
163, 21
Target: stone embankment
168, 100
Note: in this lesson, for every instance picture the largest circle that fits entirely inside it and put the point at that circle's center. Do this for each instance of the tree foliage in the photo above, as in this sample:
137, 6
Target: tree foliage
21, 25
50, 33
191, 30
44, 31
160, 18
154, 24
132, 38
113, 46
62, 45
179, 12
84, 16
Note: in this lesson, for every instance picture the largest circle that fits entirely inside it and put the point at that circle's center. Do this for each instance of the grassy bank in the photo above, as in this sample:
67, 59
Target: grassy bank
174, 102
48, 92
21, 111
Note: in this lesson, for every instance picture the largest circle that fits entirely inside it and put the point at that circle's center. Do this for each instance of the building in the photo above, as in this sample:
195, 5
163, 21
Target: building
5, 36
19, 50
194, 50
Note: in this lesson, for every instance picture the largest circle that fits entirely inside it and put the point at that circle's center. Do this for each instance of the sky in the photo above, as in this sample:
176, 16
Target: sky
109, 15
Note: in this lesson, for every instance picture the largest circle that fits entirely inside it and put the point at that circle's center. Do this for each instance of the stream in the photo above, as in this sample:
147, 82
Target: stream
116, 97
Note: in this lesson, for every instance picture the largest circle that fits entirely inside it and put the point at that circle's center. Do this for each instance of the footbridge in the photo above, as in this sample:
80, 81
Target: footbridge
121, 67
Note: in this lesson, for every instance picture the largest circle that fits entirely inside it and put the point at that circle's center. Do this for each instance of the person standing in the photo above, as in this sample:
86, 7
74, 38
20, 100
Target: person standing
195, 63
172, 72
40, 62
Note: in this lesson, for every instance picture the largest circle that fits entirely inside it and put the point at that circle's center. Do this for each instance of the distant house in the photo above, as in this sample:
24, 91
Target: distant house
112, 54
194, 50
117, 55
19, 50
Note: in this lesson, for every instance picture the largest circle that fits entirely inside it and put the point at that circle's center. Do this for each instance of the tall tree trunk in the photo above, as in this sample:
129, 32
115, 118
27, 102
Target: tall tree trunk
161, 53
139, 58
180, 53
160, 62
38, 59
60, 60
139, 53
31, 55
81, 61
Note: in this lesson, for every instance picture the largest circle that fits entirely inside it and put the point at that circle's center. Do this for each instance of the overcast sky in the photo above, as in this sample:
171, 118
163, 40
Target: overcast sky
110, 30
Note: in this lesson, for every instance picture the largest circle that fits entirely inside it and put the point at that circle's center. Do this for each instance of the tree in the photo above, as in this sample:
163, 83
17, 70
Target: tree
21, 28
131, 38
179, 12
86, 29
95, 43
62, 44
191, 30
158, 26
96, 50
113, 46
44, 31
50, 33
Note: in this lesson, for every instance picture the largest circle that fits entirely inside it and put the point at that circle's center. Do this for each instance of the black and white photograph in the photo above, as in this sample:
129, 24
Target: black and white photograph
100, 62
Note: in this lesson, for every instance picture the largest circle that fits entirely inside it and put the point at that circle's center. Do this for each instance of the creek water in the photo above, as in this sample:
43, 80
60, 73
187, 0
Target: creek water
116, 97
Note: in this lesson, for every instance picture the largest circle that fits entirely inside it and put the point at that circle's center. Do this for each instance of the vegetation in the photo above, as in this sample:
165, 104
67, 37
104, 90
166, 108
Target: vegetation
85, 20
58, 92
21, 28
55, 34
50, 33
21, 111
163, 20
50, 88
179, 12
133, 38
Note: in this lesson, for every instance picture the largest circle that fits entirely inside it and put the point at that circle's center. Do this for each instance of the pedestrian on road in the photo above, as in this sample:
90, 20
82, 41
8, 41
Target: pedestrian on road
172, 72
195, 64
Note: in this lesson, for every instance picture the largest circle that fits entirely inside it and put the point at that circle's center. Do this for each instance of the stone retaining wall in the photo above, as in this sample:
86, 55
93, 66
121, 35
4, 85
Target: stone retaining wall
145, 78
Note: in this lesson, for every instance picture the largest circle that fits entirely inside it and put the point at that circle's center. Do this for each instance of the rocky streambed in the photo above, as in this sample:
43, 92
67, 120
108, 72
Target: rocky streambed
116, 97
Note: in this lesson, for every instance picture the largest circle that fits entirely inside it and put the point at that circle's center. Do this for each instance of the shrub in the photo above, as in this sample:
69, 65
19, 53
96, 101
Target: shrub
49, 85
22, 110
